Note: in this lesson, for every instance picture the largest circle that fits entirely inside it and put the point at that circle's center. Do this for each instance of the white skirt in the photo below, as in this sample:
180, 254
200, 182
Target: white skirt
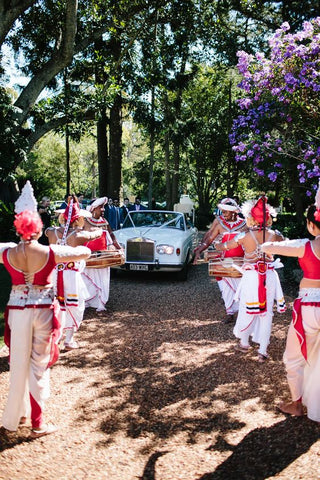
97, 281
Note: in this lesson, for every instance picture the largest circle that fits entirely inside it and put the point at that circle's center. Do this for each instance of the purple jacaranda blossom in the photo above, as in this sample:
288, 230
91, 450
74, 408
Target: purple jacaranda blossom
301, 166
272, 176
244, 103
285, 26
290, 79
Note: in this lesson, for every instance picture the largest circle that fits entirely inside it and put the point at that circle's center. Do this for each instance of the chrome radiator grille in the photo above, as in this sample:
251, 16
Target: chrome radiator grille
140, 250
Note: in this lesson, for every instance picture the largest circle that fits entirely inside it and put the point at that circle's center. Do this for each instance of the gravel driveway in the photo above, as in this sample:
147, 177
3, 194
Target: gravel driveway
157, 392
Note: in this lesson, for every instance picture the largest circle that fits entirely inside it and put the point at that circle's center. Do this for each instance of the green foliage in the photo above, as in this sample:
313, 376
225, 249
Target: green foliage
46, 166
290, 226
208, 107
7, 231
5, 285
13, 145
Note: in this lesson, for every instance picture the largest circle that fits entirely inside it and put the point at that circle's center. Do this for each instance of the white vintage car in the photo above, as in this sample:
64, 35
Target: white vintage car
157, 240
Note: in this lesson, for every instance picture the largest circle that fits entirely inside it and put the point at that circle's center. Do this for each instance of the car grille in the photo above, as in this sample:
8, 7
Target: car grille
140, 250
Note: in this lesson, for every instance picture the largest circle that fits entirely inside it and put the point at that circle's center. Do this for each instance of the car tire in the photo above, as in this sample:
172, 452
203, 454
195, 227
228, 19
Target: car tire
113, 272
182, 275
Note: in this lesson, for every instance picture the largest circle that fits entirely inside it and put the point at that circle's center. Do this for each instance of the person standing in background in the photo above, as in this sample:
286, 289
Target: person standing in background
45, 215
80, 198
137, 205
124, 209
111, 215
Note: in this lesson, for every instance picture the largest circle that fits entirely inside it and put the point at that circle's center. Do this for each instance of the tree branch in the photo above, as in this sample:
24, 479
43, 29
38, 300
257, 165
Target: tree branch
61, 58
9, 15
53, 124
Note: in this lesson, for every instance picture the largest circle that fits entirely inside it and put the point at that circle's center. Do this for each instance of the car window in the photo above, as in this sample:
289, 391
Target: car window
151, 219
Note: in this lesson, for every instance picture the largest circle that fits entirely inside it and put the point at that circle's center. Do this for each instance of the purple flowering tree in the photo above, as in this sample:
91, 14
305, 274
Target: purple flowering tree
279, 126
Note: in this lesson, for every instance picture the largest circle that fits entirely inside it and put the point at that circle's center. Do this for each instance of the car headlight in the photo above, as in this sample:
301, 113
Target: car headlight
165, 249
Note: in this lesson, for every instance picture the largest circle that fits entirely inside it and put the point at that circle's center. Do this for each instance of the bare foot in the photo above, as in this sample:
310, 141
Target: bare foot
292, 408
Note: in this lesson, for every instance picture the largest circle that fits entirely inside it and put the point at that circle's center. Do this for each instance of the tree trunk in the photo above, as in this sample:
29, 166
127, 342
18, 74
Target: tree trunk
115, 148
152, 143
103, 157
175, 176
68, 191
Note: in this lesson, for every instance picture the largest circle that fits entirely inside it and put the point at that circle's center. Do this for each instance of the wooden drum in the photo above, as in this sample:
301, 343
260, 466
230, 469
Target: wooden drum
223, 267
105, 258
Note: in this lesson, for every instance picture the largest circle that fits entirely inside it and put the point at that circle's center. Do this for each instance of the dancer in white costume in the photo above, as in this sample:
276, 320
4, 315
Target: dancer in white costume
97, 280
71, 290
225, 227
32, 328
302, 353
259, 286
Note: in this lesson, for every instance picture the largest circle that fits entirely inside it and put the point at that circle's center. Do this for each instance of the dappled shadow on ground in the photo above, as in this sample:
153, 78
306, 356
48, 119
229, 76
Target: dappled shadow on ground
169, 363
4, 363
266, 451
11, 439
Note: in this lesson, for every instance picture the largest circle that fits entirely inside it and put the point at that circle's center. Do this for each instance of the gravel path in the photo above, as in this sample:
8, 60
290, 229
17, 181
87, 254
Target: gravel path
157, 392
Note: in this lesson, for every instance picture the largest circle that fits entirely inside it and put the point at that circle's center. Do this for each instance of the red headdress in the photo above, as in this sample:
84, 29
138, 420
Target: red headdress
259, 210
28, 224
317, 204
72, 212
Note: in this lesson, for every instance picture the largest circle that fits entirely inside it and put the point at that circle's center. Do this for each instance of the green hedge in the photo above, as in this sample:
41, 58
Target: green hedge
290, 226
5, 286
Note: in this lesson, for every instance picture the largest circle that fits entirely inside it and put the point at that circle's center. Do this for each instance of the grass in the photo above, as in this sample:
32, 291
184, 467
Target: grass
5, 285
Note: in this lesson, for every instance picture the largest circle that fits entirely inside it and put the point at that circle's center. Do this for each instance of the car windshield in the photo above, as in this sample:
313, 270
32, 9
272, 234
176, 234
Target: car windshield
161, 219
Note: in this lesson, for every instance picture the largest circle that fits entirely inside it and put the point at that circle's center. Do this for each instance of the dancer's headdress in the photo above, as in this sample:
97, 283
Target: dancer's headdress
27, 220
73, 211
259, 210
27, 200
228, 204
317, 204
97, 203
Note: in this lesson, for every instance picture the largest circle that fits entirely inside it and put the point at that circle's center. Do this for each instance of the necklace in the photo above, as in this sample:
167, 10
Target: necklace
28, 241
96, 221
23, 243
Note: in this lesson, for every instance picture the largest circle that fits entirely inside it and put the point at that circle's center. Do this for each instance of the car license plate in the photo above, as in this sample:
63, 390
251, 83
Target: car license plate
144, 268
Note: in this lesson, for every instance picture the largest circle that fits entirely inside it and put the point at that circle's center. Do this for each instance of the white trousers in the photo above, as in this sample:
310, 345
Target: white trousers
304, 376
257, 326
29, 356
228, 287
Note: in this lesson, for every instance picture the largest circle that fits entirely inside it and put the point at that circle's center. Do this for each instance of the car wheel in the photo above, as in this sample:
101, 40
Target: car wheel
183, 274
113, 272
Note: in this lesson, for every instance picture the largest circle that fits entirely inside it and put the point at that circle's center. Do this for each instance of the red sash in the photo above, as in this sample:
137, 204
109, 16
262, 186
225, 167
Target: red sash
261, 268
298, 326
